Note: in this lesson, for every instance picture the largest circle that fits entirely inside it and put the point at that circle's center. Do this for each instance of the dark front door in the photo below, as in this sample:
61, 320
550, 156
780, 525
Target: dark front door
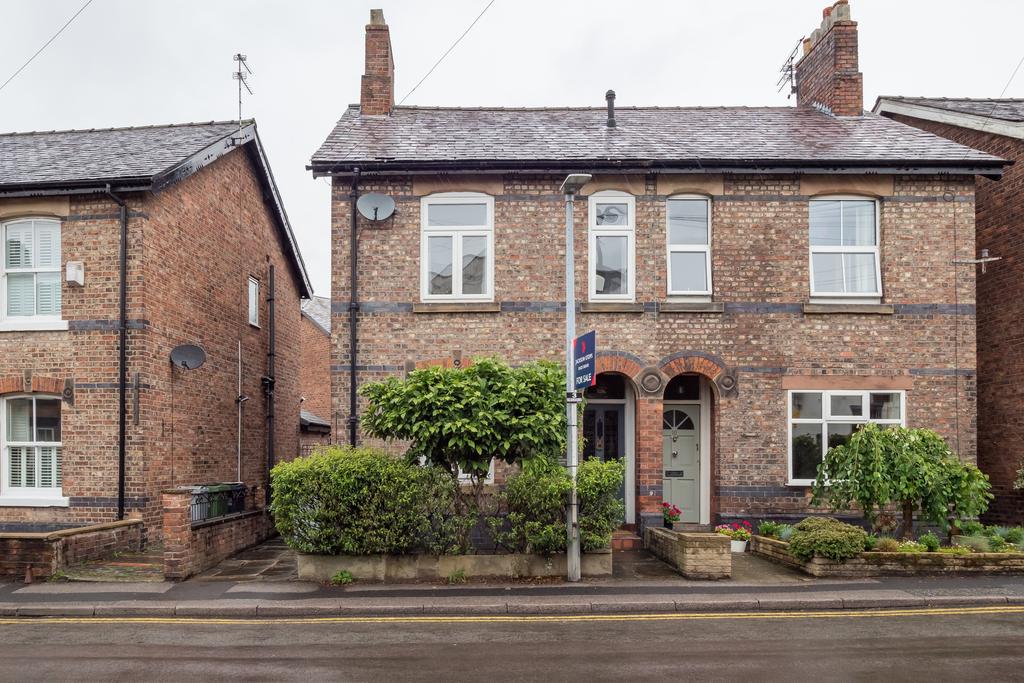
604, 433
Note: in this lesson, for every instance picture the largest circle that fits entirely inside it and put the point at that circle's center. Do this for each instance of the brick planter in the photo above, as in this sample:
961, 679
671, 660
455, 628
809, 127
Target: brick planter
409, 567
694, 555
891, 564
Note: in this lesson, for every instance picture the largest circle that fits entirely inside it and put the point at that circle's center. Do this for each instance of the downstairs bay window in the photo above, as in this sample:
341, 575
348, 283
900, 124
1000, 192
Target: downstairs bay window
819, 420
30, 446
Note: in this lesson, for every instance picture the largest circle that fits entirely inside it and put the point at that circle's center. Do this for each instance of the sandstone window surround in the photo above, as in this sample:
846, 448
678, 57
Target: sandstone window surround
611, 235
688, 234
844, 249
30, 275
457, 247
30, 451
819, 420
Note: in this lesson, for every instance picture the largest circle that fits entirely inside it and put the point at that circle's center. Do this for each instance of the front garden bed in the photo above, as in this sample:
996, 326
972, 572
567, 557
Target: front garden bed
381, 567
694, 555
872, 563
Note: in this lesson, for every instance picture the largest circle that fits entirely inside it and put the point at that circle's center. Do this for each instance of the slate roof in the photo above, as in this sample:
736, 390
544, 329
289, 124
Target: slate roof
730, 136
1001, 109
318, 309
307, 419
99, 155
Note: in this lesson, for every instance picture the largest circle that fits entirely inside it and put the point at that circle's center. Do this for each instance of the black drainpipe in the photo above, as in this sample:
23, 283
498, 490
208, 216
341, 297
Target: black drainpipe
353, 310
270, 379
122, 361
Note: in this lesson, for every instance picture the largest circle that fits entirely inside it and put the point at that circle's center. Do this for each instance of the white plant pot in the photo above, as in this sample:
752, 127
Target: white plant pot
738, 546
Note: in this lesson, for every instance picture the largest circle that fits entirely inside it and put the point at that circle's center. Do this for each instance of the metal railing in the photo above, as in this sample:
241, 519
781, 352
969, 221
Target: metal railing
211, 501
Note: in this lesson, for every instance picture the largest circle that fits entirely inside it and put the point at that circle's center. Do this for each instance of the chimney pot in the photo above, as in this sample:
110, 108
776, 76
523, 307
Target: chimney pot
610, 99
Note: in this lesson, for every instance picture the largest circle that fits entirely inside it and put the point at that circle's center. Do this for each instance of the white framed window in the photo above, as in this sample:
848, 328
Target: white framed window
254, 301
689, 245
30, 274
465, 478
819, 420
30, 450
844, 247
612, 246
457, 247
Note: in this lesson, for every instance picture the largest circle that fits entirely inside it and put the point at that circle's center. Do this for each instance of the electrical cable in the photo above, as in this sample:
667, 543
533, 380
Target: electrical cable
46, 44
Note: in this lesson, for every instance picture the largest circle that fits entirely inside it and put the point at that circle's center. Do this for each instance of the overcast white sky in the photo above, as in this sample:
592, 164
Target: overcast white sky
135, 62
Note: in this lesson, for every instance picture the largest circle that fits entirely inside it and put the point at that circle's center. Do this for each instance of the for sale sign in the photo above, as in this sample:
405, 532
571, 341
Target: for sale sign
584, 358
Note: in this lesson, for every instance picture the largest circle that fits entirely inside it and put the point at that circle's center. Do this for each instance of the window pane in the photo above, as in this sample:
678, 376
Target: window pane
19, 245
859, 224
474, 264
683, 388
455, 215
47, 244
612, 214
48, 294
807, 406
688, 271
254, 302
19, 419
439, 265
48, 420
839, 434
611, 276
885, 406
687, 221
847, 406
826, 224
860, 273
806, 450
21, 298
828, 272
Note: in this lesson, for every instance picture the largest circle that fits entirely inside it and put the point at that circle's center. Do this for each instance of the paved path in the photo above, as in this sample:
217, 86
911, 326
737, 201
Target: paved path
962, 645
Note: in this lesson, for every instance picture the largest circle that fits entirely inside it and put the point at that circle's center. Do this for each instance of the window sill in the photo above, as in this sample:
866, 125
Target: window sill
457, 307
33, 326
800, 483
691, 307
611, 307
849, 308
11, 501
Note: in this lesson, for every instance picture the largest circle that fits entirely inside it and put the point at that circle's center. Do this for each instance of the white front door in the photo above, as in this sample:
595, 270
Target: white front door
681, 473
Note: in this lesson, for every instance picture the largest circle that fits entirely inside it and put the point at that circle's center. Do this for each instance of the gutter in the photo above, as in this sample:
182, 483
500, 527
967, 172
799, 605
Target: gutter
122, 360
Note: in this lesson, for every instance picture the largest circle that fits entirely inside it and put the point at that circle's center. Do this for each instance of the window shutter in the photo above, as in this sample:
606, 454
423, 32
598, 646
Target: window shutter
47, 244
21, 300
48, 294
17, 454
19, 245
47, 458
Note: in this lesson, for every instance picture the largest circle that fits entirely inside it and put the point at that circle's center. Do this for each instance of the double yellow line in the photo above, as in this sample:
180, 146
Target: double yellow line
528, 618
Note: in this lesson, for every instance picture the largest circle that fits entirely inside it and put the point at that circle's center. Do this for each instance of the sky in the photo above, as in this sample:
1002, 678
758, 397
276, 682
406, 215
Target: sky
144, 62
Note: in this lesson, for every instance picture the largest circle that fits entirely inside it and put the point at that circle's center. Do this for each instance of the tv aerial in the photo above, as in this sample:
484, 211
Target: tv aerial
188, 356
375, 207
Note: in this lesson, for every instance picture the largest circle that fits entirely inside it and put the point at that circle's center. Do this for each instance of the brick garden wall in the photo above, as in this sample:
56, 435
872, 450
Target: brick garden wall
763, 336
1000, 229
47, 553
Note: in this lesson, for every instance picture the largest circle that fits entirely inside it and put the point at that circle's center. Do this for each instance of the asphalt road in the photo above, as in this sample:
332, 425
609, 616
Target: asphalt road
954, 644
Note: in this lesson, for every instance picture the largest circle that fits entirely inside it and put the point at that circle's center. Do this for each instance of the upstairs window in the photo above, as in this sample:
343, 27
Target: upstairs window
30, 280
844, 248
30, 438
457, 247
254, 302
612, 245
689, 246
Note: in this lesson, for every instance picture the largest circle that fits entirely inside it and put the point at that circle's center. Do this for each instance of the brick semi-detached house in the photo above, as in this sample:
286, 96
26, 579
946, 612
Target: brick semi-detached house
209, 259
762, 280
995, 126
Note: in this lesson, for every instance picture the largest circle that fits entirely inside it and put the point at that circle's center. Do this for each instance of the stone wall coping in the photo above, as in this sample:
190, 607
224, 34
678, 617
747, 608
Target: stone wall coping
65, 533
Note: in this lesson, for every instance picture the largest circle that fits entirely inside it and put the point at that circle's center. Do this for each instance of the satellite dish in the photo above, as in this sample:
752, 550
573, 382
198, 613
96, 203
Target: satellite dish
375, 207
188, 356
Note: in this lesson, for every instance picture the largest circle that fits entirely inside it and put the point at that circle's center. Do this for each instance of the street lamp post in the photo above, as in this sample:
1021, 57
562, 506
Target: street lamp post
570, 187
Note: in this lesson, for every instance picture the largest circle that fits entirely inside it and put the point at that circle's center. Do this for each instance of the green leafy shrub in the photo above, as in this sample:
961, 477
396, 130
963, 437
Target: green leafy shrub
342, 578
601, 510
930, 541
870, 541
457, 576
1015, 535
955, 550
979, 543
785, 532
887, 544
535, 499
971, 527
826, 537
768, 527
360, 501
997, 544
912, 547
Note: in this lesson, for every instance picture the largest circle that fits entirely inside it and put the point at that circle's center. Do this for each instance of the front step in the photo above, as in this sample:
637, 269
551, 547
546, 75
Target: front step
623, 539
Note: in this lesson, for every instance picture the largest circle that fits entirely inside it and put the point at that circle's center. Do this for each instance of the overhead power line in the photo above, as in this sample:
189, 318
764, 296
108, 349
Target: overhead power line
450, 48
46, 44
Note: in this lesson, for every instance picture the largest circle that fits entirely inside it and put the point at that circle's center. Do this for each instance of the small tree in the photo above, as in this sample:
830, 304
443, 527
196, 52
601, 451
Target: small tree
912, 468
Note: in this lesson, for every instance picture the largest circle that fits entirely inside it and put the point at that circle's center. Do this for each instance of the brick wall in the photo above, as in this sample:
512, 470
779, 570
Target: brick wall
1000, 229
762, 337
828, 74
377, 88
315, 369
46, 553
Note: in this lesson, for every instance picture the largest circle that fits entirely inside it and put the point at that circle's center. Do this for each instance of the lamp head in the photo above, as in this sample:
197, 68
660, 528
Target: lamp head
574, 182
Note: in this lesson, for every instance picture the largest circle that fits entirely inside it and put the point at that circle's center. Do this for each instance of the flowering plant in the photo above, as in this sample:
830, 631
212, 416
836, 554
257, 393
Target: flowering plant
737, 531
670, 513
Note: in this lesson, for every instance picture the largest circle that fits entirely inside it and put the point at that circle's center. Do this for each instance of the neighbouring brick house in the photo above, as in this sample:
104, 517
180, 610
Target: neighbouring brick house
997, 127
761, 280
315, 374
209, 259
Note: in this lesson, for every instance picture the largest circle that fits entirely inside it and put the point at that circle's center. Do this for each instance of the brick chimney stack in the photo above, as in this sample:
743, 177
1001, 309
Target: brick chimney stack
828, 75
377, 91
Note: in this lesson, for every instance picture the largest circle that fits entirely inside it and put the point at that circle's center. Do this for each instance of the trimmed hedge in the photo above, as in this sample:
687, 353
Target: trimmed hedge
827, 537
